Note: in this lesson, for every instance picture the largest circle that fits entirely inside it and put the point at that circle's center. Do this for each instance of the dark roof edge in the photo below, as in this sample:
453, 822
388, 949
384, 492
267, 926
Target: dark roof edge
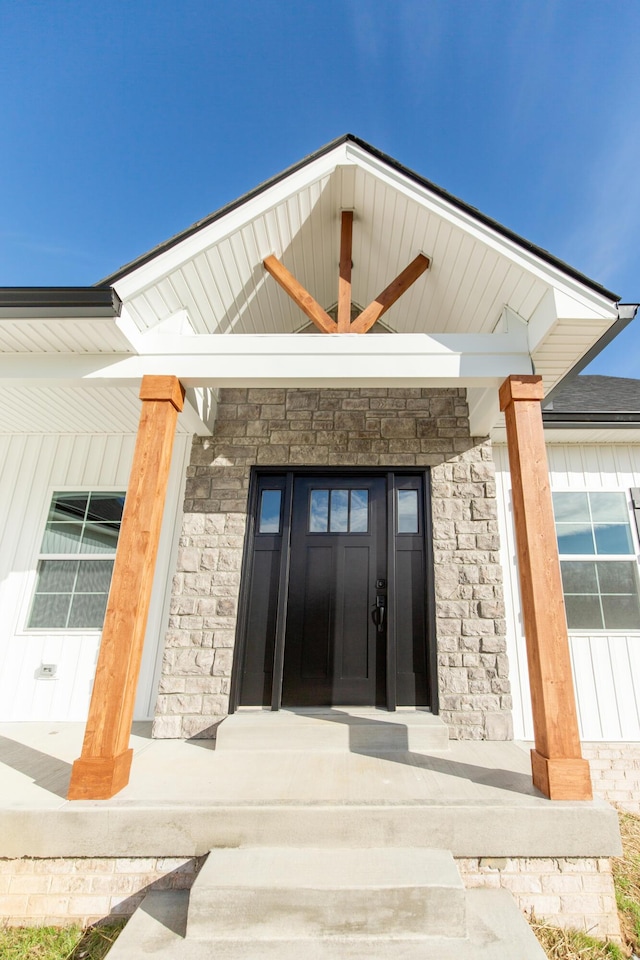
222, 211
626, 313
101, 300
582, 419
385, 158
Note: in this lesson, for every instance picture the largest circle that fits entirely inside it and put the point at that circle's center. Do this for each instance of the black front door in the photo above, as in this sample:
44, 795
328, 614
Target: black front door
334, 650
337, 592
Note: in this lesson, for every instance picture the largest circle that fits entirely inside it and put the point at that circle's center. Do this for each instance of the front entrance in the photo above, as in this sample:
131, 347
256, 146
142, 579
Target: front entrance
334, 650
335, 592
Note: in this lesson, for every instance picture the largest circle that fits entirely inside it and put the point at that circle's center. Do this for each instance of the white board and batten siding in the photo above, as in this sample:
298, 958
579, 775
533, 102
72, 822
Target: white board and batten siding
32, 467
606, 665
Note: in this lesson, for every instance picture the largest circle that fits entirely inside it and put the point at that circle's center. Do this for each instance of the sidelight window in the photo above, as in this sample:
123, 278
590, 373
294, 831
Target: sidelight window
270, 511
76, 561
597, 560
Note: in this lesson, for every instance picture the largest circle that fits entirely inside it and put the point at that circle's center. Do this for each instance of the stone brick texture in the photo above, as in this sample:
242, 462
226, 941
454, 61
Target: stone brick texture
60, 891
615, 773
413, 427
575, 892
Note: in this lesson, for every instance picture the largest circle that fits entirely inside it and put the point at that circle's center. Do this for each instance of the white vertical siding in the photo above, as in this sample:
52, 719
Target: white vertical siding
606, 666
31, 468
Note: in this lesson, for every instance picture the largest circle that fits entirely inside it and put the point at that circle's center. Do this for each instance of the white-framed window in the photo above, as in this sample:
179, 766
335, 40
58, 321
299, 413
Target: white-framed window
598, 560
75, 562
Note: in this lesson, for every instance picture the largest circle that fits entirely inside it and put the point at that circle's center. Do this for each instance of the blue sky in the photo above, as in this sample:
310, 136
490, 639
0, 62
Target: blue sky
124, 122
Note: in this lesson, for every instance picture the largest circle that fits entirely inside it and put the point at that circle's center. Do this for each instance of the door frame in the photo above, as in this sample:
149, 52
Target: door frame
290, 473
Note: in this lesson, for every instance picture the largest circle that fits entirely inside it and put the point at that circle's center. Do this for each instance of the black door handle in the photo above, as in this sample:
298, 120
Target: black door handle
379, 612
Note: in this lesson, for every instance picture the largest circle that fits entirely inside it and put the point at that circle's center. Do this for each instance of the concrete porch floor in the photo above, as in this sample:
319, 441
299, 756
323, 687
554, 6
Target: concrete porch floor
185, 797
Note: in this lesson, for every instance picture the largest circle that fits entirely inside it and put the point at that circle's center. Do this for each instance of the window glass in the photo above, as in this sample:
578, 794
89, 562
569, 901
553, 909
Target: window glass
407, 511
68, 506
270, 501
359, 516
319, 511
339, 511
571, 506
76, 561
613, 538
600, 593
609, 506
339, 522
575, 538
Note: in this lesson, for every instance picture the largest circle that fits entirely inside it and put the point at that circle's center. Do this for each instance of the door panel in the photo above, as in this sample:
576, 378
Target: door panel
410, 593
337, 554
264, 574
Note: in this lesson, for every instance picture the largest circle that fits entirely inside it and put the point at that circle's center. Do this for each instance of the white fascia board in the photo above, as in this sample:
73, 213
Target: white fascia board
484, 410
199, 411
482, 232
149, 273
294, 360
558, 305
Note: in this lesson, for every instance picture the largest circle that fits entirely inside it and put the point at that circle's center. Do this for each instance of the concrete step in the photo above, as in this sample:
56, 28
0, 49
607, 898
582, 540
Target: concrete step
267, 893
496, 931
357, 730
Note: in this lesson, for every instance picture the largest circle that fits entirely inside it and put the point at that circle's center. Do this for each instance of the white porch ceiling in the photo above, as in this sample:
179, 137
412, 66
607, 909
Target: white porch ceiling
225, 289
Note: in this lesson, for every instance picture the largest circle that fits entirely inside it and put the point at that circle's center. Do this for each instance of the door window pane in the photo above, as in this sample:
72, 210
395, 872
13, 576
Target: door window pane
407, 511
270, 501
359, 516
339, 511
319, 511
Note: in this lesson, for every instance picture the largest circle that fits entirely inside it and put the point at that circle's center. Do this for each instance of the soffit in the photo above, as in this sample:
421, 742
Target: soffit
62, 335
217, 276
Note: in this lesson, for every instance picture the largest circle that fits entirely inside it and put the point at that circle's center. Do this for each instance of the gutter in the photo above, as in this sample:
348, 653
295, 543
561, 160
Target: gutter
583, 420
47, 302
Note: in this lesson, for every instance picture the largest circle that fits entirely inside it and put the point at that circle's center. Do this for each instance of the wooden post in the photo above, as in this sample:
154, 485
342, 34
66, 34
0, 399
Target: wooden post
558, 768
344, 283
103, 767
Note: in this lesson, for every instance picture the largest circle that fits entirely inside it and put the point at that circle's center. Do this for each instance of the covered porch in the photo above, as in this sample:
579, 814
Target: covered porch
332, 780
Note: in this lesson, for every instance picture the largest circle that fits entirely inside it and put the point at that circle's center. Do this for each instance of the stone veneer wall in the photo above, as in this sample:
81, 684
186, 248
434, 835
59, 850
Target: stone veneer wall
382, 427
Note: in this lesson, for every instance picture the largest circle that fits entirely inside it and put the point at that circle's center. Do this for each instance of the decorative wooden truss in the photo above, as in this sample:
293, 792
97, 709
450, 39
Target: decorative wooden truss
365, 320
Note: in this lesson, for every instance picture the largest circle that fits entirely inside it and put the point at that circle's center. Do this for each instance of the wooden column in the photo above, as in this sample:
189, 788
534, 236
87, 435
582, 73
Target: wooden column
558, 768
103, 767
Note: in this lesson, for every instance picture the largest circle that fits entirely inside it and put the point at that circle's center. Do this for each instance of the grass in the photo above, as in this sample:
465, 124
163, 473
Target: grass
626, 876
575, 945
561, 944
58, 943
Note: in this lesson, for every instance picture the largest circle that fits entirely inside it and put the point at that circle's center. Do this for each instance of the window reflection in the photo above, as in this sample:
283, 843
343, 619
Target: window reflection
270, 511
407, 511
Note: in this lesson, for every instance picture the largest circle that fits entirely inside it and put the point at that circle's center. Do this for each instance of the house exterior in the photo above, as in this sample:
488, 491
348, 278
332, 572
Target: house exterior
316, 515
